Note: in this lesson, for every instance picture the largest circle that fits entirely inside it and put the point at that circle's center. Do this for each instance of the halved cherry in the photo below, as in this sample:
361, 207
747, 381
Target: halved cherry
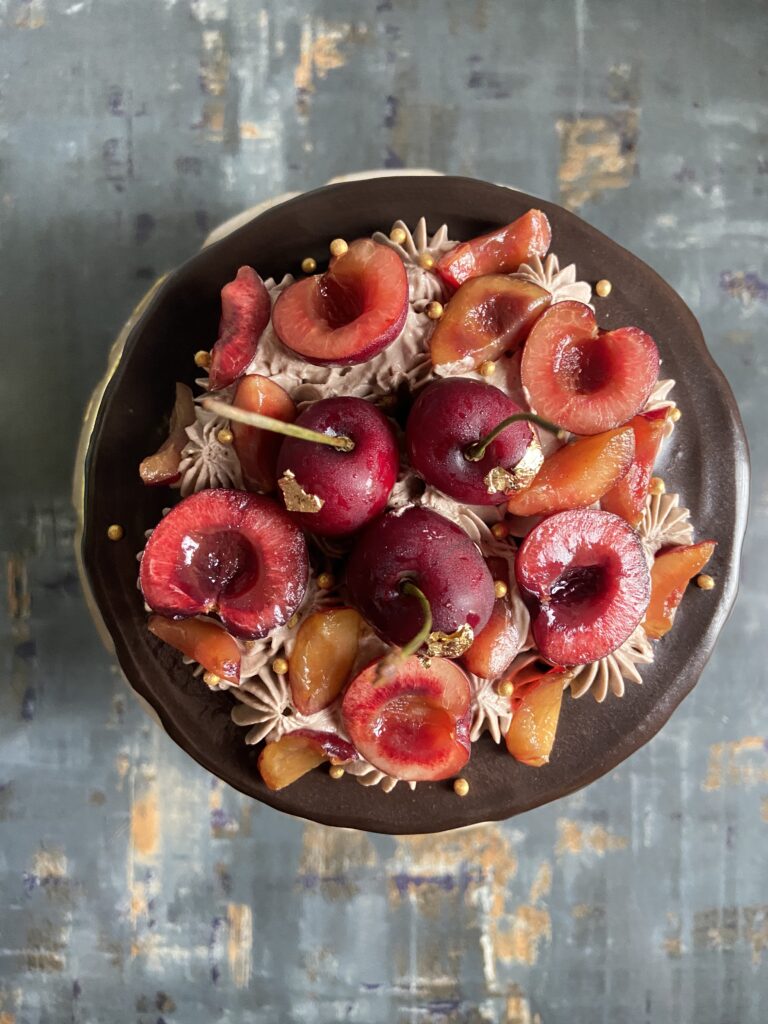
584, 379
414, 725
226, 552
323, 657
257, 449
163, 466
349, 313
501, 251
670, 573
245, 308
296, 753
577, 475
535, 715
584, 576
627, 497
496, 645
487, 317
205, 642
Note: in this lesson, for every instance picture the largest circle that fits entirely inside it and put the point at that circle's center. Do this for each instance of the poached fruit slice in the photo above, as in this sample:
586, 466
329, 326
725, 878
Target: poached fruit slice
258, 449
350, 488
586, 380
245, 307
323, 657
501, 251
205, 642
296, 753
628, 496
413, 725
577, 475
231, 553
349, 313
428, 550
670, 573
163, 466
448, 416
494, 647
585, 579
487, 317
535, 714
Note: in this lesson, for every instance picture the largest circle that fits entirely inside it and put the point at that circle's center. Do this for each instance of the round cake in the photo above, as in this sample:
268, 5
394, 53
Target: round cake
417, 471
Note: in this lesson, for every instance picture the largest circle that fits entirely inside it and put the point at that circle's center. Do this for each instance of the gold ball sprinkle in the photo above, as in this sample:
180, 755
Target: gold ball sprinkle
280, 666
308, 265
435, 310
225, 436
500, 531
506, 689
336, 771
603, 288
460, 787
211, 679
426, 261
115, 531
398, 236
500, 588
203, 359
657, 485
325, 581
705, 582
338, 247
675, 414
487, 369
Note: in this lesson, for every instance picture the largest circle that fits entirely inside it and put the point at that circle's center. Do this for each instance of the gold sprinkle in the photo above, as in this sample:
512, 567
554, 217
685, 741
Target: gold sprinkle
308, 265
225, 436
675, 414
603, 288
115, 531
450, 645
426, 261
460, 787
295, 497
293, 620
338, 247
211, 679
435, 310
280, 666
487, 369
500, 588
506, 689
203, 359
500, 531
336, 771
656, 486
325, 580
705, 582
398, 236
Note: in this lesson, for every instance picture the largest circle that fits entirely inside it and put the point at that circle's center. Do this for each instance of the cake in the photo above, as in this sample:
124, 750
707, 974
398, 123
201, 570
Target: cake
390, 610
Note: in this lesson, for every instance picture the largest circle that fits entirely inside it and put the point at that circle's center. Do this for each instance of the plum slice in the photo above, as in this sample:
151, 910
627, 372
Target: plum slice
231, 553
258, 449
495, 646
487, 317
501, 251
628, 495
670, 573
163, 466
414, 725
349, 313
293, 755
245, 308
535, 714
584, 379
585, 579
203, 641
323, 657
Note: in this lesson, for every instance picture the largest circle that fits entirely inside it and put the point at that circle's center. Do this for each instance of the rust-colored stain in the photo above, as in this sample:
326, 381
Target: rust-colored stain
728, 928
764, 808
673, 940
239, 943
319, 53
518, 1009
597, 154
531, 924
215, 68
574, 837
331, 859
741, 762
45, 948
145, 824
30, 15
7, 1018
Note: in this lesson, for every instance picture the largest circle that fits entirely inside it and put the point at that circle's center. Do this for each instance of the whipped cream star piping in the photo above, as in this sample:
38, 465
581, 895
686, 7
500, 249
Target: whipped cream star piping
205, 461
490, 711
608, 674
658, 400
665, 522
561, 284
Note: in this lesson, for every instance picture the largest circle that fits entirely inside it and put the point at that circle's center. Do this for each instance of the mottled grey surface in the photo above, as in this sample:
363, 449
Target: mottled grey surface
133, 887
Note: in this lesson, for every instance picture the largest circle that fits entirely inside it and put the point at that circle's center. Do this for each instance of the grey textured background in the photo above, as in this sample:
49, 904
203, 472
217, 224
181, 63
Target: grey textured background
134, 887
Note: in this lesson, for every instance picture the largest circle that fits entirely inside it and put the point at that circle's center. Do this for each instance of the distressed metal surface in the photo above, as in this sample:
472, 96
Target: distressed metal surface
135, 888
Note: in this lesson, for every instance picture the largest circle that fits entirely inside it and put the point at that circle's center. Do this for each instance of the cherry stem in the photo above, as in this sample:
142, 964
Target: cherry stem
256, 419
411, 590
475, 452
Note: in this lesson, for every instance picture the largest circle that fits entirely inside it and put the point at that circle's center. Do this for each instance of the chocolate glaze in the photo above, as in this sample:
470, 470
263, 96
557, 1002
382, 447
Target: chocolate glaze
706, 460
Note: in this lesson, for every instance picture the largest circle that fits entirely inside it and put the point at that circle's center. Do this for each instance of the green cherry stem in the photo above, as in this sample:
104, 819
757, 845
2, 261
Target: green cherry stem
256, 419
411, 590
475, 452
